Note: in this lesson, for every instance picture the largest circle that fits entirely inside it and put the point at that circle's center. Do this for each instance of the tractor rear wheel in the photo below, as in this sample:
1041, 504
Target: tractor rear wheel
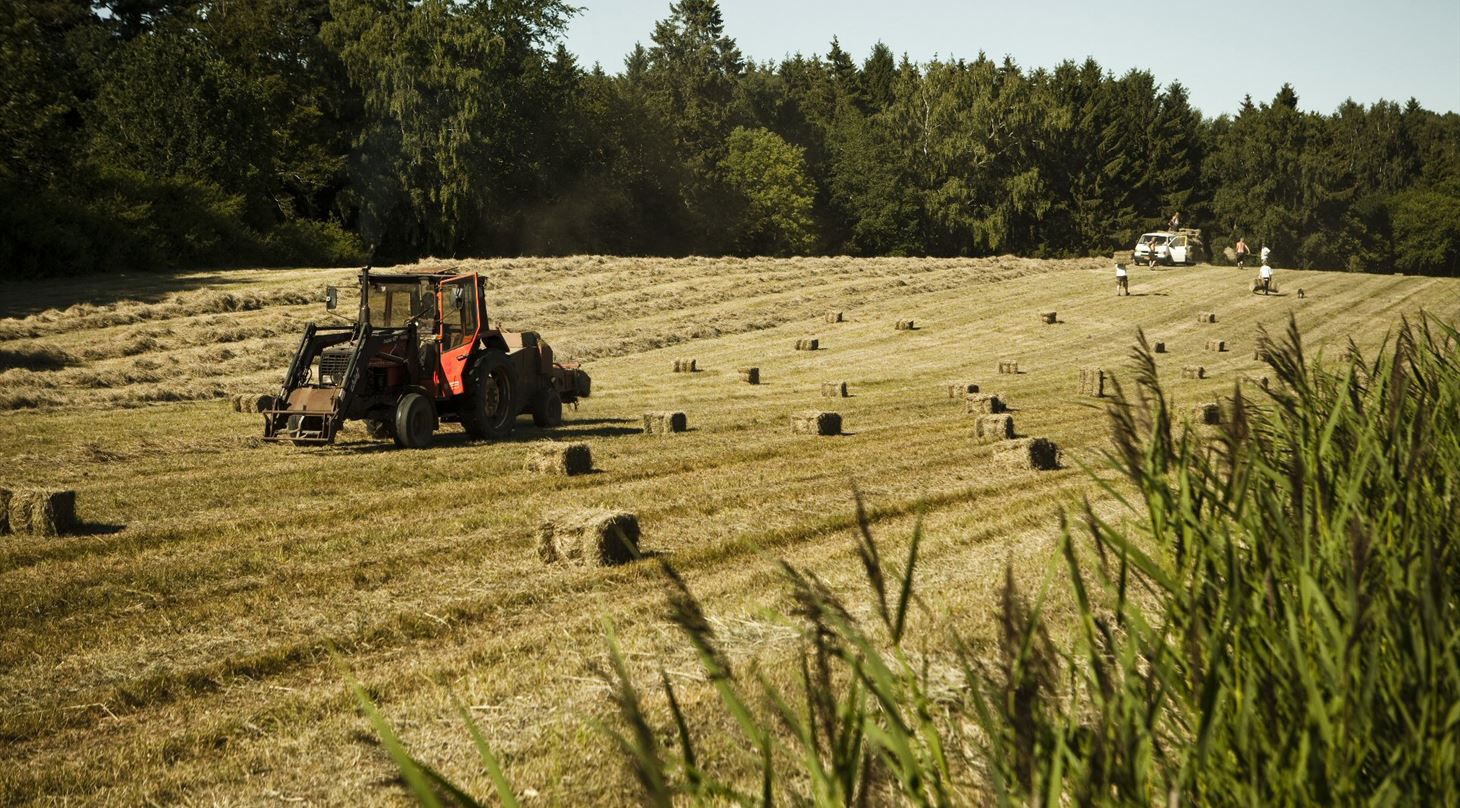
414, 422
547, 409
489, 405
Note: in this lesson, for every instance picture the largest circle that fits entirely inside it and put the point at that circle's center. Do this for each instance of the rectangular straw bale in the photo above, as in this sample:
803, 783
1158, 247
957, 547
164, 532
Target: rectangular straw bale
1160, 347
904, 325
1008, 365
834, 389
588, 537
990, 428
1260, 381
567, 459
1217, 345
1208, 413
1040, 454
833, 317
961, 389
1092, 381
42, 513
1259, 354
984, 403
665, 421
808, 344
1193, 372
685, 366
1049, 317
749, 375
1207, 317
815, 422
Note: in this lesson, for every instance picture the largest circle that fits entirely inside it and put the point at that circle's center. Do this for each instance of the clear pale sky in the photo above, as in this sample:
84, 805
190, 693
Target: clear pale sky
1328, 50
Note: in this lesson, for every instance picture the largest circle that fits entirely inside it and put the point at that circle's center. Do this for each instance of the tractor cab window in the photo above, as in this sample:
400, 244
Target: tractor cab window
458, 312
393, 305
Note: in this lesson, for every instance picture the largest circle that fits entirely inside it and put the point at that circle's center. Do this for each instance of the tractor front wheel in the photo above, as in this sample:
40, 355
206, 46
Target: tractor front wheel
547, 409
414, 422
489, 408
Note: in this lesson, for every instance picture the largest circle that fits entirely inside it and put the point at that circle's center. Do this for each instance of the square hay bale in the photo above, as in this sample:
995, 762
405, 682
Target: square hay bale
1208, 413
749, 375
1039, 454
1260, 381
665, 421
961, 389
990, 428
582, 383
588, 537
1259, 354
834, 389
905, 325
686, 366
1092, 381
1207, 317
1159, 347
1218, 345
984, 404
833, 317
41, 513
1008, 365
1049, 317
567, 459
808, 344
816, 422
1193, 372
250, 402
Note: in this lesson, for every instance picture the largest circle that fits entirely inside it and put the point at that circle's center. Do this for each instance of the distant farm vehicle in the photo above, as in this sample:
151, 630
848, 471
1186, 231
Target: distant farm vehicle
1169, 247
420, 352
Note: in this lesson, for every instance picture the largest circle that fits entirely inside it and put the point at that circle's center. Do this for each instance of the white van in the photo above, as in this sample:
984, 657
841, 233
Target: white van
1181, 247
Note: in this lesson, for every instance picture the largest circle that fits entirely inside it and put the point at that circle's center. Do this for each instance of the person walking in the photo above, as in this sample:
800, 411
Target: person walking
1175, 223
1265, 253
1264, 276
1122, 279
1241, 253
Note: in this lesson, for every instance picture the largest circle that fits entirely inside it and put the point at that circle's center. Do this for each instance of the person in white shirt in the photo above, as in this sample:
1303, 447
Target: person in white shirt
1264, 276
1265, 253
1122, 279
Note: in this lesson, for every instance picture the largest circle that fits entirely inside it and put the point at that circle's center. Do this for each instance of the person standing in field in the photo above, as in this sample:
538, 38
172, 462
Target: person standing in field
1265, 253
1241, 253
1264, 277
1122, 279
1175, 222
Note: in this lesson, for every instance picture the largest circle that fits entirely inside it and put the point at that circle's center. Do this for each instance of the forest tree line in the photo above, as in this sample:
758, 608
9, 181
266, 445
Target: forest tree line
152, 133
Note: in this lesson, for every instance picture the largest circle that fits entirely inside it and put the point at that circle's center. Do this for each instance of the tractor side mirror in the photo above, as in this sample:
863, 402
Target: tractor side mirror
331, 298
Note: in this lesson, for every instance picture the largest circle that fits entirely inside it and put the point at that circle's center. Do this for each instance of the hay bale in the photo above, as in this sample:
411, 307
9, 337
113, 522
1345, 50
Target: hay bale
4, 511
984, 404
816, 422
665, 421
1208, 413
1260, 381
1193, 372
834, 389
1259, 354
41, 513
588, 537
1092, 381
833, 317
1218, 345
961, 389
808, 344
905, 325
582, 383
1040, 454
250, 402
988, 428
1207, 317
567, 459
686, 366
1008, 365
1300, 293
1049, 317
749, 375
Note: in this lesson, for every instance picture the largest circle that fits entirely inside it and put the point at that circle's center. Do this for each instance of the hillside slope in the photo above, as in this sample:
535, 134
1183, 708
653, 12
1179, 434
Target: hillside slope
176, 652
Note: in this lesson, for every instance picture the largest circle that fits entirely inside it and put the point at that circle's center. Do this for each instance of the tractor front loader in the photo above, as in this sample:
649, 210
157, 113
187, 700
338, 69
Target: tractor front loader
420, 352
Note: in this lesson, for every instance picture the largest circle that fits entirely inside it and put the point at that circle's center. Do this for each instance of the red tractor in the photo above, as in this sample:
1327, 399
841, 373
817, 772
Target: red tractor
420, 352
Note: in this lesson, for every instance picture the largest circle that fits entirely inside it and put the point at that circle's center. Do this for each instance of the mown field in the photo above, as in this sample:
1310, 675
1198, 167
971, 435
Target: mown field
178, 650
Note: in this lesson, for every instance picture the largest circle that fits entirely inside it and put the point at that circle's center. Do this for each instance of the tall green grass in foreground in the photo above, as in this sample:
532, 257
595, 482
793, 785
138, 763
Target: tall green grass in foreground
1292, 638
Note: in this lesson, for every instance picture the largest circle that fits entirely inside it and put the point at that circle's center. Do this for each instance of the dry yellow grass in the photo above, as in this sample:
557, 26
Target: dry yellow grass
176, 651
